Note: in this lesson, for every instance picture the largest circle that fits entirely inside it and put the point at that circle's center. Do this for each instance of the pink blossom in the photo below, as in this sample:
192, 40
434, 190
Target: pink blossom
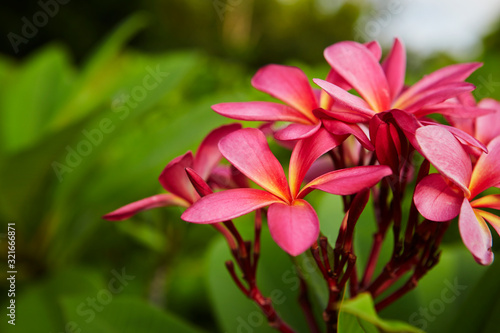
441, 197
381, 86
293, 223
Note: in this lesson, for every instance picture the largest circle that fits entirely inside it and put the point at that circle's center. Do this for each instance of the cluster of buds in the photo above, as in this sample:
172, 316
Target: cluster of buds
358, 135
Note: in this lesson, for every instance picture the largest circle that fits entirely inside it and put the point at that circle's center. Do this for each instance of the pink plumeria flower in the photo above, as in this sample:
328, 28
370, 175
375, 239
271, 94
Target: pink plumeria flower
293, 223
484, 127
441, 197
290, 85
174, 178
381, 86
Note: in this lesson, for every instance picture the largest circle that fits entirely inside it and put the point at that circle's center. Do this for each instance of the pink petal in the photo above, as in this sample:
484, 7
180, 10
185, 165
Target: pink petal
348, 181
288, 84
333, 77
375, 48
336, 79
443, 150
487, 169
296, 132
305, 153
159, 200
321, 166
226, 177
492, 219
208, 154
406, 121
387, 146
488, 127
434, 95
463, 137
488, 201
344, 101
453, 110
348, 117
475, 234
227, 205
174, 179
294, 228
436, 200
466, 99
395, 68
248, 151
375, 123
357, 65
409, 124
342, 128
260, 111
198, 183
463, 124
453, 73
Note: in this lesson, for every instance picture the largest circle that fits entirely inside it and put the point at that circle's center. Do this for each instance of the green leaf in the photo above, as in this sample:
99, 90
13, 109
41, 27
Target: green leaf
145, 234
103, 73
352, 324
33, 96
120, 149
314, 278
433, 305
362, 307
122, 315
38, 304
480, 310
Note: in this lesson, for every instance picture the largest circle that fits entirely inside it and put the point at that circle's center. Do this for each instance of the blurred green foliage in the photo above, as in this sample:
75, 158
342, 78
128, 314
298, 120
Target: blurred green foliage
254, 31
78, 141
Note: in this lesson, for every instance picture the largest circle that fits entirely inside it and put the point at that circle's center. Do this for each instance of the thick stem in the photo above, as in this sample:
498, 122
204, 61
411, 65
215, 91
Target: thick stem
353, 284
383, 223
232, 272
372, 259
227, 235
247, 262
256, 244
408, 286
351, 264
267, 308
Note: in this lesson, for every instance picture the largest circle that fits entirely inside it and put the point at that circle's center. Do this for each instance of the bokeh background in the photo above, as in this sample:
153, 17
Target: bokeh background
81, 136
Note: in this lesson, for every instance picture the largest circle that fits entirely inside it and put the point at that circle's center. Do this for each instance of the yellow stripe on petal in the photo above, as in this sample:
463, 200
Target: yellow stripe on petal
492, 219
488, 201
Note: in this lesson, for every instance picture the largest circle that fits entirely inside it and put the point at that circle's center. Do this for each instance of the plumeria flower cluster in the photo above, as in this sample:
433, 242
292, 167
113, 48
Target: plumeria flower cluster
355, 134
